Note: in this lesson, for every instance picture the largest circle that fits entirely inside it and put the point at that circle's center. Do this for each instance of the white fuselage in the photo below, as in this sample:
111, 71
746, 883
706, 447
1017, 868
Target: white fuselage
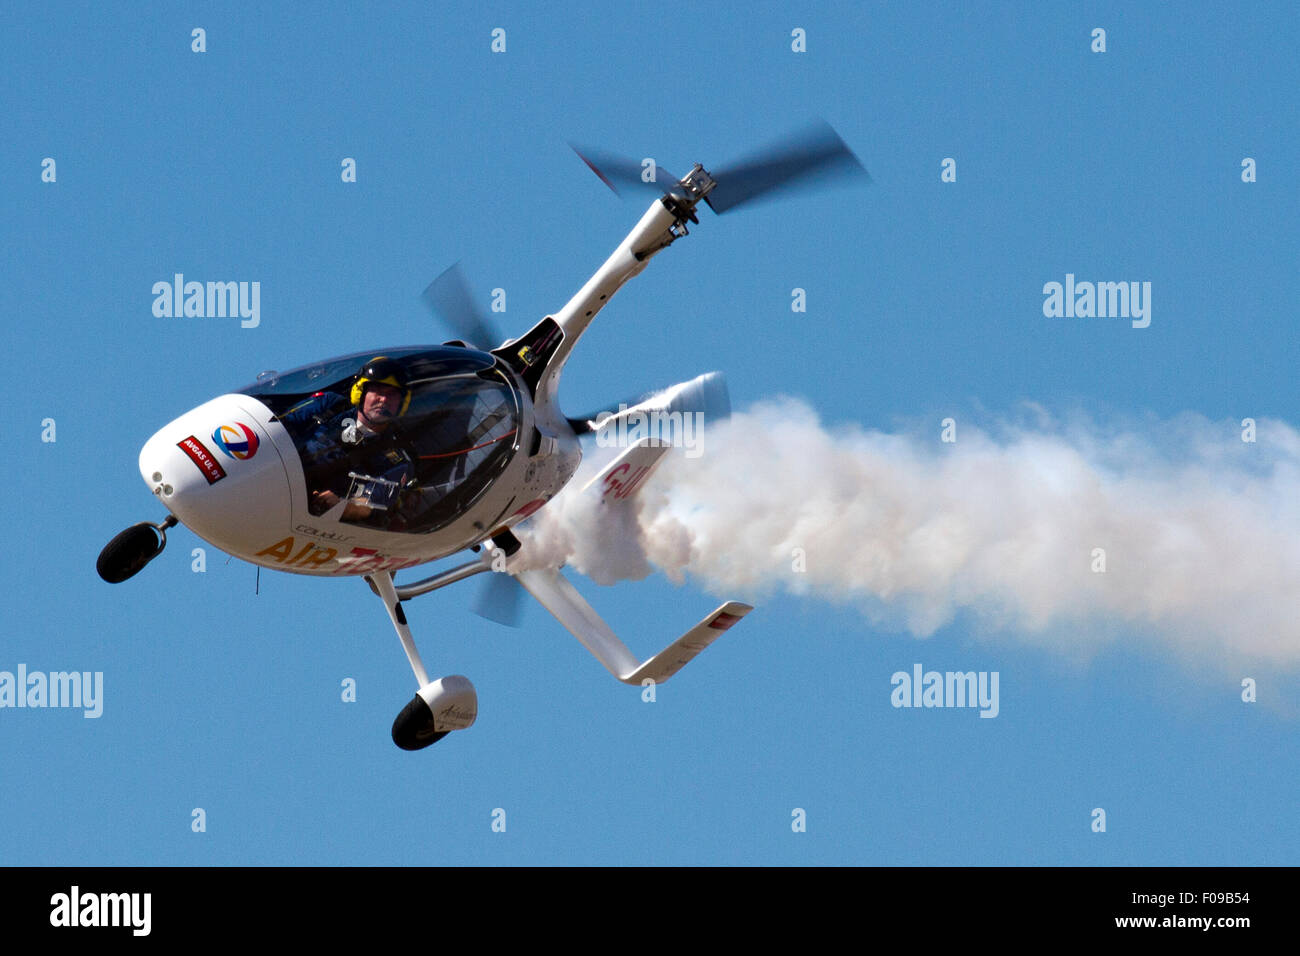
232, 472
255, 506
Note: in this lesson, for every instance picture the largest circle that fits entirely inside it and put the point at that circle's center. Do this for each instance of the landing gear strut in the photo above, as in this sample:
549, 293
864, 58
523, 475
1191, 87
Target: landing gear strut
439, 706
125, 555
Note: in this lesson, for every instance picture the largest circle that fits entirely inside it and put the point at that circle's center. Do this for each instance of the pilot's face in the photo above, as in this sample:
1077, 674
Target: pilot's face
381, 404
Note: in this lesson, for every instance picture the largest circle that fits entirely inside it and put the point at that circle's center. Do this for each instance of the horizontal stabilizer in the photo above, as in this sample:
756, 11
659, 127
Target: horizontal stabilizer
558, 596
681, 651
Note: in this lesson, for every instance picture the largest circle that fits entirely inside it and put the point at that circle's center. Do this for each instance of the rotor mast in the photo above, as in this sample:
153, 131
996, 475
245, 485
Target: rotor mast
663, 223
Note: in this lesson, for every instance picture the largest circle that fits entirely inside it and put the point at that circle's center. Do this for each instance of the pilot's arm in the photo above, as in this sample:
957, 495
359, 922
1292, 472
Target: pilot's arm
311, 412
354, 509
380, 467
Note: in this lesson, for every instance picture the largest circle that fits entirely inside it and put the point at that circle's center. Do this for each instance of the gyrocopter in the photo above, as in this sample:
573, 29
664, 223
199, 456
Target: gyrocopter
378, 461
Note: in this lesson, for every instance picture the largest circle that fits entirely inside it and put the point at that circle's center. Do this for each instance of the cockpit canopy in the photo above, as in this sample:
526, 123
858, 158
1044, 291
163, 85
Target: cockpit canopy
415, 466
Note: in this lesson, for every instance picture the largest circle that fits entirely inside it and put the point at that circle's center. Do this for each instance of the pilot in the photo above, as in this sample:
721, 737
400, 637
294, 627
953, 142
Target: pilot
339, 439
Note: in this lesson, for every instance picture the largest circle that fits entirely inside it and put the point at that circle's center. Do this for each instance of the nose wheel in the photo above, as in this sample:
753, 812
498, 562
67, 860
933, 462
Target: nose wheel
126, 554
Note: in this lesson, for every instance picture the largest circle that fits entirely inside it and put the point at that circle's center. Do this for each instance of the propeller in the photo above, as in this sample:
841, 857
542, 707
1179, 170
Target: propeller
449, 297
498, 596
498, 599
706, 393
813, 156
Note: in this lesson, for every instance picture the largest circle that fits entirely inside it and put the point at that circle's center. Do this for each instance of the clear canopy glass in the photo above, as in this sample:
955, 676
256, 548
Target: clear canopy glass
406, 450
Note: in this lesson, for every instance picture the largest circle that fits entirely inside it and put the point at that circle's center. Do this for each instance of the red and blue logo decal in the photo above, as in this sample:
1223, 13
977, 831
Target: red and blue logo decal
238, 440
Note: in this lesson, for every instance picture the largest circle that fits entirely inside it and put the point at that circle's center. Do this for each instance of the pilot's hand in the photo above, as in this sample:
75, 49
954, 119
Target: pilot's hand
325, 500
356, 509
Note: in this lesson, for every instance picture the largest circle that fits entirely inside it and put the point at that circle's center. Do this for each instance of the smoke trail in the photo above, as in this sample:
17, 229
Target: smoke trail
1197, 531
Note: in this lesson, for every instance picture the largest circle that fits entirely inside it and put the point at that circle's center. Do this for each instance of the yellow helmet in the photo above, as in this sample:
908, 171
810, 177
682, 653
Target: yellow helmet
382, 370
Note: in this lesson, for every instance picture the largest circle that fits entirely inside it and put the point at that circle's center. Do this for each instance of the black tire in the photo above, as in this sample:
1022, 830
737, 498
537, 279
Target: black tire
130, 551
413, 728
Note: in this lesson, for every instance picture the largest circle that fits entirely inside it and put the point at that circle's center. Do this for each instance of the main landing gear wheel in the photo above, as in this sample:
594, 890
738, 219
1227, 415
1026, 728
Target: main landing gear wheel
440, 707
414, 727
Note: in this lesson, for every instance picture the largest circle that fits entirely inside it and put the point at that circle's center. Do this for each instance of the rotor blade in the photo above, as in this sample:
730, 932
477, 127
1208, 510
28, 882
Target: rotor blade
450, 298
812, 156
615, 171
498, 599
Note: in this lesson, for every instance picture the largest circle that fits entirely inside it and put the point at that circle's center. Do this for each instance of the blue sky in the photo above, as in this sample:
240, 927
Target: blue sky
924, 301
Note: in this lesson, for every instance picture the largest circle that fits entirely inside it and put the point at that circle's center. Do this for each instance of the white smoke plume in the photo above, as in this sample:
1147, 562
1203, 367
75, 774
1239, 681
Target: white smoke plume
1200, 530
